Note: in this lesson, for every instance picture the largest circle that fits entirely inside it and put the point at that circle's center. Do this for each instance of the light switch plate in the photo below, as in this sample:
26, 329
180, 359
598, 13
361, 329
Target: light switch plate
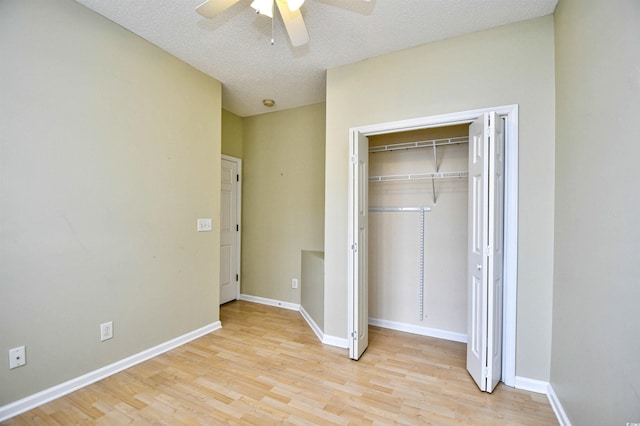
204, 225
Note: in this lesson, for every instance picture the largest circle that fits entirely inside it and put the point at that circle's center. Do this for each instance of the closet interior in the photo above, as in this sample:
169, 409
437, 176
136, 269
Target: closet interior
418, 214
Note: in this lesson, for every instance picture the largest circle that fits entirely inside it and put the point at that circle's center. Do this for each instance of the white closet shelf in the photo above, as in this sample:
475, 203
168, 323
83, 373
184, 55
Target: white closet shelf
419, 144
420, 176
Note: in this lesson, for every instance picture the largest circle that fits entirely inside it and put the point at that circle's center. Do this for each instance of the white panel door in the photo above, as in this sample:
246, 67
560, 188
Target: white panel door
358, 296
486, 250
477, 261
229, 253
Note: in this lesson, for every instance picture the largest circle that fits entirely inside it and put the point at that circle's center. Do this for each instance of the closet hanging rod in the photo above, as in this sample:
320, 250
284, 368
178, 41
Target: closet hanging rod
419, 176
419, 144
400, 209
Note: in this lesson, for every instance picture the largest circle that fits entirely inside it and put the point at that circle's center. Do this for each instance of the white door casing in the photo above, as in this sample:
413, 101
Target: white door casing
358, 302
485, 253
229, 230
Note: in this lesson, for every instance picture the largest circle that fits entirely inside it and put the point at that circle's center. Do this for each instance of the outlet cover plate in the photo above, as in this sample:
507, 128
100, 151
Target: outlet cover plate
17, 357
106, 331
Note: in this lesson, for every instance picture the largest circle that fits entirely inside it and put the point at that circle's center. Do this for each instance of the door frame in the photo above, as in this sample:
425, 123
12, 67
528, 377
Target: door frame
238, 162
509, 309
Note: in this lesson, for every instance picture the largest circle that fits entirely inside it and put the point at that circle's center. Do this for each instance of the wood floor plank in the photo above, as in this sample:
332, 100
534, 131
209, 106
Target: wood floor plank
265, 366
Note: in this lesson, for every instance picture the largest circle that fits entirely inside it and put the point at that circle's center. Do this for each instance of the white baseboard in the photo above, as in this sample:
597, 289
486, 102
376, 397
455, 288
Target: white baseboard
335, 341
270, 302
314, 326
561, 415
531, 385
325, 339
539, 386
47, 395
423, 331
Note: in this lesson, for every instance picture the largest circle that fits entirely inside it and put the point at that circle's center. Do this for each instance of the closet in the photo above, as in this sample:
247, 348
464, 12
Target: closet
390, 249
417, 248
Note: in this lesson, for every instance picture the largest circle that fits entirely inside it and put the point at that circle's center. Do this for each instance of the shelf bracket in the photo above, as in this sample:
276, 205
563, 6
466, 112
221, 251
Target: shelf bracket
433, 181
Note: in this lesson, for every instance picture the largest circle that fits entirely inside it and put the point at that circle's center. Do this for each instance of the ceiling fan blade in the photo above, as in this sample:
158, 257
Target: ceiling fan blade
211, 8
263, 7
294, 24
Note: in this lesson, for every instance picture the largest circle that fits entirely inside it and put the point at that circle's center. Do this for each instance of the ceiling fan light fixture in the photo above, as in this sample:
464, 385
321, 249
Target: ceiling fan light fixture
263, 7
289, 11
294, 4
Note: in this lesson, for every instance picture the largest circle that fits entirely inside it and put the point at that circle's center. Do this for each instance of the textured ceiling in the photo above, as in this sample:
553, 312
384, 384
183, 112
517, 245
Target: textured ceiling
234, 47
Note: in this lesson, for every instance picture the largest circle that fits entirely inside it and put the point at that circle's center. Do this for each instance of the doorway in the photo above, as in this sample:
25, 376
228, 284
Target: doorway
358, 225
230, 204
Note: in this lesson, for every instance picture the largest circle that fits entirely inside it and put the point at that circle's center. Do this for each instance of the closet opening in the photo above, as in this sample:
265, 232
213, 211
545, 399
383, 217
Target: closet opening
409, 233
418, 186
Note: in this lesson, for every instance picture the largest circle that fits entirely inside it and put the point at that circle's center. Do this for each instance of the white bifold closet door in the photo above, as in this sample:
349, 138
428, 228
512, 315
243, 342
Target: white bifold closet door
486, 250
358, 296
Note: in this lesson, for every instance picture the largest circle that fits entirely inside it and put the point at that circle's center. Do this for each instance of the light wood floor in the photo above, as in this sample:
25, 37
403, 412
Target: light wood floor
265, 366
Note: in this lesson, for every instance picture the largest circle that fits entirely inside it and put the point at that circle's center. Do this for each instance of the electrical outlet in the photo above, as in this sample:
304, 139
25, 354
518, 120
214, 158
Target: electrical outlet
17, 357
204, 225
106, 331
294, 283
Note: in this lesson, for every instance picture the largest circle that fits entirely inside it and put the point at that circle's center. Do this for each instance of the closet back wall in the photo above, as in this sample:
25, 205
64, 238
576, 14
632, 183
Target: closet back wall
394, 261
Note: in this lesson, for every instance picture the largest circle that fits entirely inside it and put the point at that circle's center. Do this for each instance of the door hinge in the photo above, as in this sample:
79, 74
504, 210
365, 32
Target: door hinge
354, 247
237, 277
354, 159
237, 178
488, 250
237, 227
354, 334
485, 372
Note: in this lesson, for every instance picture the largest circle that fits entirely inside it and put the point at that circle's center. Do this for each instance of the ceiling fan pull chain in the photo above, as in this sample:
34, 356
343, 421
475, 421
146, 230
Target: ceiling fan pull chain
272, 22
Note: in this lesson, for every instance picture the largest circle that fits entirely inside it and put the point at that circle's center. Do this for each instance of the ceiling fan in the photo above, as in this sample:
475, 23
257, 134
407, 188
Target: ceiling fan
289, 11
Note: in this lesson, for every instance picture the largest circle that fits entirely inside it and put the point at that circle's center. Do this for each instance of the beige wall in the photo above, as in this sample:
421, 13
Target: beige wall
283, 198
513, 64
109, 152
312, 286
231, 134
595, 368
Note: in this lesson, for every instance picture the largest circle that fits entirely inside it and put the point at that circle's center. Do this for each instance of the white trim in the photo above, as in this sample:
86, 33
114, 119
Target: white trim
531, 385
238, 162
561, 415
510, 271
47, 395
335, 341
422, 331
325, 339
511, 213
270, 302
316, 329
